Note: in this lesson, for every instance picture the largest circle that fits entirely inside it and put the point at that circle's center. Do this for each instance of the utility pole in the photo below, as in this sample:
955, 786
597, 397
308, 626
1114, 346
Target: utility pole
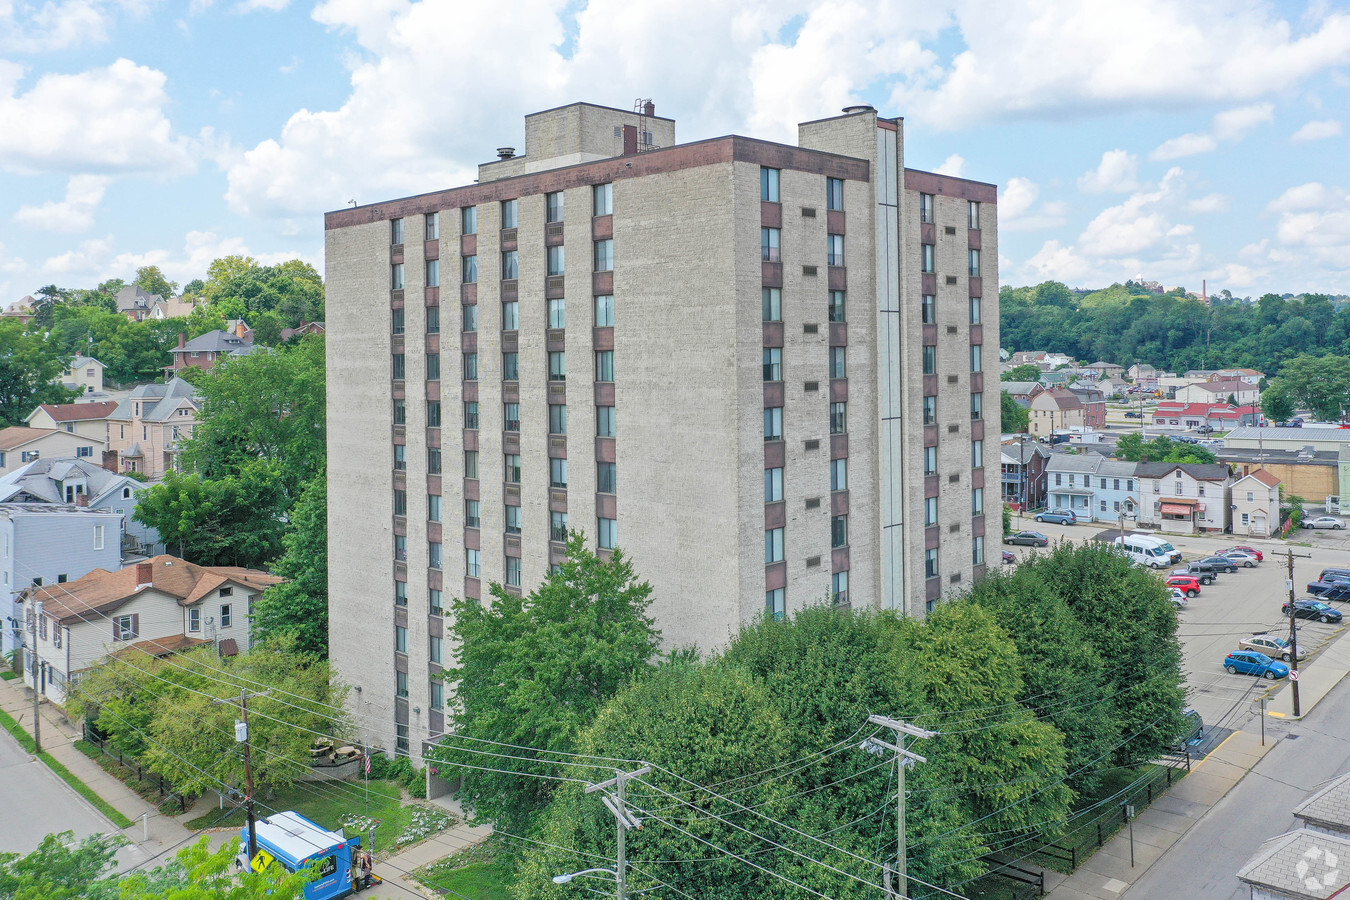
34, 615
903, 758
1293, 628
623, 819
241, 736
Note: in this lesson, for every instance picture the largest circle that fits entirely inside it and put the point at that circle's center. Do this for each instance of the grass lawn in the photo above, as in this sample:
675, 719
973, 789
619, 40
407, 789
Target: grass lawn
478, 873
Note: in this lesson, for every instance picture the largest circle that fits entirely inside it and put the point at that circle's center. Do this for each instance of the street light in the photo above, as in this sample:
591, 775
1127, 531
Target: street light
564, 879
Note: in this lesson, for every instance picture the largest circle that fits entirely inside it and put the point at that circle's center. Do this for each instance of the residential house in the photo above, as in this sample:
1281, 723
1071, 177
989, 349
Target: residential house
1022, 391
159, 606
207, 350
20, 310
145, 431
88, 419
1219, 392
1023, 464
20, 445
1054, 410
1250, 376
1183, 498
305, 328
1115, 490
1113, 386
1304, 472
1103, 369
84, 374
84, 483
1095, 487
1027, 357
1256, 504
1094, 403
49, 544
136, 303
1142, 372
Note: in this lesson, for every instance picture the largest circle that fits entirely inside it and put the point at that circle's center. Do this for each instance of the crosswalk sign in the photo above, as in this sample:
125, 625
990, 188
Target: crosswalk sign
262, 861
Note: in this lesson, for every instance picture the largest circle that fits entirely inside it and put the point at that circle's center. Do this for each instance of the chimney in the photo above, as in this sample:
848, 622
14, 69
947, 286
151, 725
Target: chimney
240, 329
630, 140
145, 573
81, 499
649, 108
506, 152
182, 339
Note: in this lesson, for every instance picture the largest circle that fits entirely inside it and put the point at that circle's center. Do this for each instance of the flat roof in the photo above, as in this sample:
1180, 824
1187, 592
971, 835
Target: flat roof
296, 836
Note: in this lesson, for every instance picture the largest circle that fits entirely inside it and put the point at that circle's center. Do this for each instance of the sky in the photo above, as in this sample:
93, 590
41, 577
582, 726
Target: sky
1173, 141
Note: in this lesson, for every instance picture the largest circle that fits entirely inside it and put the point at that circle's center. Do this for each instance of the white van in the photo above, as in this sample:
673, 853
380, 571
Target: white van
1148, 551
1172, 552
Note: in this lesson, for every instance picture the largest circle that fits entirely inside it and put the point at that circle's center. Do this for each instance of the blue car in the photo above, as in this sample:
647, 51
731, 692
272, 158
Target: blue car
1058, 516
1249, 662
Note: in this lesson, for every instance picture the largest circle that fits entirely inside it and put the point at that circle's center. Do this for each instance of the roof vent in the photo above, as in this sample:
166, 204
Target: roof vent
506, 152
859, 108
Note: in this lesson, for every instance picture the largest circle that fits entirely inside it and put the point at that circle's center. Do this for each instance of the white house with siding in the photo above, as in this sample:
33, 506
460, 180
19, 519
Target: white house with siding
1183, 498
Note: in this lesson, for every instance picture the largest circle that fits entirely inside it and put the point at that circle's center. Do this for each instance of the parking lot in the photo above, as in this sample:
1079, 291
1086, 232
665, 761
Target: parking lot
1235, 606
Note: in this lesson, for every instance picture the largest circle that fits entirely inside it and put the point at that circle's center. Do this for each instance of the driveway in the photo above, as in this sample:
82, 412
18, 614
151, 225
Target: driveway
38, 803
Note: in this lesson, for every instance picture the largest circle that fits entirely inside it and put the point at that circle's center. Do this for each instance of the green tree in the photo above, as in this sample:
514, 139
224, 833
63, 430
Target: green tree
238, 287
232, 520
27, 366
1054, 294
61, 869
1025, 372
1276, 404
202, 874
151, 280
298, 607
1293, 510
1014, 416
1133, 448
534, 671
1320, 384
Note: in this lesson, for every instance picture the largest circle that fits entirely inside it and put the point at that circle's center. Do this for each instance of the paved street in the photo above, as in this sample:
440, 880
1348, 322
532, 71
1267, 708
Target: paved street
36, 802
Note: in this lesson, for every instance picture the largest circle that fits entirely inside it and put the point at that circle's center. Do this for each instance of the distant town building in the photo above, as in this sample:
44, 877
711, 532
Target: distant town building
1054, 410
146, 431
1183, 498
1219, 392
88, 419
1256, 504
20, 446
84, 483
207, 350
84, 374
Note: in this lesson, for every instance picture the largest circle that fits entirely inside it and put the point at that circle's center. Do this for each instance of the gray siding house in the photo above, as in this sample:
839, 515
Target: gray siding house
82, 483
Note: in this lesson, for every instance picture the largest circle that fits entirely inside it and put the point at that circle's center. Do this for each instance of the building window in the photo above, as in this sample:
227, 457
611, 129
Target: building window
606, 478
606, 422
926, 209
400, 639
85, 452
435, 650
433, 507
557, 473
839, 417
395, 324
773, 485
604, 255
977, 406
434, 461
433, 273
470, 413
470, 367
976, 358
774, 604
834, 193
768, 184
836, 306
510, 265
772, 302
977, 454
773, 364
977, 502
974, 212
929, 259
553, 207
431, 223
929, 309
194, 621
401, 547
834, 249
124, 628
398, 367
602, 200
604, 365
401, 690
930, 511
434, 602
509, 214
604, 311
974, 263
400, 458
473, 514
511, 315
469, 318
226, 615
557, 312
400, 503
977, 551
395, 231
773, 423
98, 537
930, 410
929, 359
434, 320
434, 554
473, 563
470, 463
557, 418
513, 468
838, 531
433, 367
513, 519
468, 218
838, 362
511, 417
768, 244
930, 563
558, 527
839, 474
930, 460
608, 531
511, 366
557, 260
557, 365
437, 694
773, 545
470, 270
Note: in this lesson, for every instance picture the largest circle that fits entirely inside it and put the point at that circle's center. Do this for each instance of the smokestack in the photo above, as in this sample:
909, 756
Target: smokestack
145, 573
182, 339
649, 108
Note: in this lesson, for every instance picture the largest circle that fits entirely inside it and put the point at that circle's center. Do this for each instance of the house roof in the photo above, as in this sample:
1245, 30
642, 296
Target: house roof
40, 480
1065, 399
158, 401
133, 297
1329, 805
1020, 387
1262, 476
83, 360
78, 412
18, 435
101, 590
165, 646
1223, 387
216, 341
1198, 471
1074, 462
1294, 864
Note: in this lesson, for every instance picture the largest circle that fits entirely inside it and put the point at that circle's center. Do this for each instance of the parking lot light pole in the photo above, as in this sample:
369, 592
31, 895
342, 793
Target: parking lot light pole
1293, 630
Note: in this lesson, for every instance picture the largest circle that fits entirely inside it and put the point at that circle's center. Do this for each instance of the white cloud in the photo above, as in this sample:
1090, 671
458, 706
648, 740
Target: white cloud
1185, 145
1118, 172
1018, 209
953, 165
246, 6
102, 120
73, 214
1316, 130
1315, 221
28, 28
1229, 125
1210, 203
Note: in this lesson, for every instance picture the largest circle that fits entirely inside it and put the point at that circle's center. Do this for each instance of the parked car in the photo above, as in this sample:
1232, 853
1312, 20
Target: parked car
1205, 429
1220, 563
1028, 539
1260, 557
1187, 584
1058, 516
1009, 556
1249, 662
1202, 572
1330, 590
1270, 645
1242, 558
1312, 609
1331, 574
1324, 522
1178, 598
1134, 414
1194, 728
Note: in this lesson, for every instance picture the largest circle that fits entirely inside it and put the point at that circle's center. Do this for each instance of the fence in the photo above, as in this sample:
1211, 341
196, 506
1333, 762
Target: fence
131, 764
1286, 526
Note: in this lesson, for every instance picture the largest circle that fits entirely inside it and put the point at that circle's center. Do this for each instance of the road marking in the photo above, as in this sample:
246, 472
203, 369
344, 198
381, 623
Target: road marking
1278, 715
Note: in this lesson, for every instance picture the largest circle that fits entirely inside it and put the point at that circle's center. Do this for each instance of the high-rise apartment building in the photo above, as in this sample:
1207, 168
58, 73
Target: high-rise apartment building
758, 368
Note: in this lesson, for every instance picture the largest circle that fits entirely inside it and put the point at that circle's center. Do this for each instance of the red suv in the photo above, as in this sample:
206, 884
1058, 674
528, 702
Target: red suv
1189, 584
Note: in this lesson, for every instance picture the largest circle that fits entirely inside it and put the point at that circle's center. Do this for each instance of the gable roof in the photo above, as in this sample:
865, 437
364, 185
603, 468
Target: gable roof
82, 360
77, 412
16, 436
1223, 387
158, 401
40, 479
216, 341
1278, 862
101, 591
1198, 471
132, 297
1021, 387
1262, 476
1329, 806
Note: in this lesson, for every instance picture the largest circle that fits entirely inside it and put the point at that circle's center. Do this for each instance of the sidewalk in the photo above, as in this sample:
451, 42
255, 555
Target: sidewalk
453, 840
58, 739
